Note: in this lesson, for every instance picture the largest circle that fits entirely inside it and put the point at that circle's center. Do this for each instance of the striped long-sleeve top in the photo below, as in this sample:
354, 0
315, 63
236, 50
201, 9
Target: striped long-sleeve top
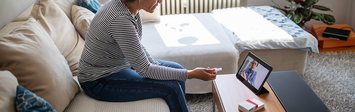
112, 44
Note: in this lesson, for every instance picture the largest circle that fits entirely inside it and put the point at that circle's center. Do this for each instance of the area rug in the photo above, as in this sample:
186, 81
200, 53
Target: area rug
330, 75
332, 78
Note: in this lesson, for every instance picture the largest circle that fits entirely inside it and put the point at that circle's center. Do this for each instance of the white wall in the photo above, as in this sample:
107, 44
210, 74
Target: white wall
8, 12
341, 10
351, 19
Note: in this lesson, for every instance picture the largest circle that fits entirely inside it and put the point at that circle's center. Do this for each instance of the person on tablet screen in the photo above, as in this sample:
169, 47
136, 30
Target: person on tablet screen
249, 74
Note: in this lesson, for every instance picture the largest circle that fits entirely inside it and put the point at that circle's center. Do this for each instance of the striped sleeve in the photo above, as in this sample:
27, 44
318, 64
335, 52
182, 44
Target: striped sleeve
125, 34
151, 59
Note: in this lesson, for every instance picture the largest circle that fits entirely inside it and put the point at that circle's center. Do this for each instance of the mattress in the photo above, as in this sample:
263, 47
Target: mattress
263, 27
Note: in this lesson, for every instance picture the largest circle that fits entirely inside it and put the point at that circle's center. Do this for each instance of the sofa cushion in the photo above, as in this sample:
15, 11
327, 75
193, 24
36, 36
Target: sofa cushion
84, 103
10, 27
74, 57
8, 83
30, 54
65, 5
92, 5
27, 101
60, 29
81, 18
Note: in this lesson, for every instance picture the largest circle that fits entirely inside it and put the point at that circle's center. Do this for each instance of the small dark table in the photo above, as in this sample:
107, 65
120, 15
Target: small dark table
294, 93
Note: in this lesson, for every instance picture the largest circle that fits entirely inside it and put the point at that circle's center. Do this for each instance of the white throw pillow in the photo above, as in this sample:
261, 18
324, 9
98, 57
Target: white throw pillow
10, 27
65, 5
150, 17
61, 30
81, 18
30, 54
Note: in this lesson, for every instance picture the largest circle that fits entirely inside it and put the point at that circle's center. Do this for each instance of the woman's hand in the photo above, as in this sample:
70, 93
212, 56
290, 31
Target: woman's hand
202, 73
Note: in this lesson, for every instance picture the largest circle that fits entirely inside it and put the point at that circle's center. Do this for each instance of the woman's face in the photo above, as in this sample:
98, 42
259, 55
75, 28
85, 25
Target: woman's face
149, 5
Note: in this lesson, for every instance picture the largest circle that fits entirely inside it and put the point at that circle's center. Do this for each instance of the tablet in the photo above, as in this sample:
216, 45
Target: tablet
253, 73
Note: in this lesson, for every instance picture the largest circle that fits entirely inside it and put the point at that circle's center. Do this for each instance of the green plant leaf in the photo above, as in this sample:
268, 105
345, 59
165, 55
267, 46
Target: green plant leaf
328, 19
292, 6
297, 18
323, 8
289, 1
310, 3
316, 16
274, 6
289, 13
305, 12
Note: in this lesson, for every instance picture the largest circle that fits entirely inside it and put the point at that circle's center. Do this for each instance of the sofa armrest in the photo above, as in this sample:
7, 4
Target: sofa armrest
8, 84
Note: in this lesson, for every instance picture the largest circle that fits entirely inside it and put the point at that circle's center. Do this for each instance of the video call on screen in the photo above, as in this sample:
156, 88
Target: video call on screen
255, 73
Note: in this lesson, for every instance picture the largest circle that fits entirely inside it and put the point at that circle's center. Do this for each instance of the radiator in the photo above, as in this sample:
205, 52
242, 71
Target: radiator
195, 6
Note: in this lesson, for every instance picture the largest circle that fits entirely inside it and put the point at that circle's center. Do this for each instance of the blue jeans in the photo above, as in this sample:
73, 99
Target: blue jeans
127, 85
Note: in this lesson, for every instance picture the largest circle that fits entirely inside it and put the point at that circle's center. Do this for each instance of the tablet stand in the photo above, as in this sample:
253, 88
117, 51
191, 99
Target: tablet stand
262, 91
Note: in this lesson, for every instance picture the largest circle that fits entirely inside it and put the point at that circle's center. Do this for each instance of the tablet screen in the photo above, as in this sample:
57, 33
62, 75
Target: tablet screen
253, 72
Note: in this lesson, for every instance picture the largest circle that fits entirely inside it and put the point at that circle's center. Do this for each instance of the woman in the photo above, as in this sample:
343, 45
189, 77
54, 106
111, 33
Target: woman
115, 67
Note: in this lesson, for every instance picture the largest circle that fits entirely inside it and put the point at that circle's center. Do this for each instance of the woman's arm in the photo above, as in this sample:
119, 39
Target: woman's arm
151, 59
125, 34
202, 73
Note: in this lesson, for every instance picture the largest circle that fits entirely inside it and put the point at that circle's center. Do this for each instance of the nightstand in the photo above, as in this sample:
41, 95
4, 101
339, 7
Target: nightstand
324, 42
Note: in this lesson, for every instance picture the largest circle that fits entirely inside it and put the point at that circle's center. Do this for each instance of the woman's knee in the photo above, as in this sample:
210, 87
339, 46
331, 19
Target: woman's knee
126, 74
170, 64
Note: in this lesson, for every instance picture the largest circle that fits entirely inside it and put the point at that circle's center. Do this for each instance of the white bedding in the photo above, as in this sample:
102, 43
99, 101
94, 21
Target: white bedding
263, 27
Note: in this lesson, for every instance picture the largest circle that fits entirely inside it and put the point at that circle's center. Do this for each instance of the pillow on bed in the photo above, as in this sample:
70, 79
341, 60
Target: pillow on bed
150, 17
61, 30
30, 54
81, 18
92, 5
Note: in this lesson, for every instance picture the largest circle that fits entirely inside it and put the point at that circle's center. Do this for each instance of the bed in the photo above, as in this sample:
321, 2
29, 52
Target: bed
269, 34
263, 27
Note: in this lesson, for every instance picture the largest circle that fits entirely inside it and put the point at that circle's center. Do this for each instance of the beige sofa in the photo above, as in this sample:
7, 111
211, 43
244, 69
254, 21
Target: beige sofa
40, 50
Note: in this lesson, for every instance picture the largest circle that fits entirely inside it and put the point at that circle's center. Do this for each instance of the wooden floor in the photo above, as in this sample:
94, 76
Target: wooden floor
338, 49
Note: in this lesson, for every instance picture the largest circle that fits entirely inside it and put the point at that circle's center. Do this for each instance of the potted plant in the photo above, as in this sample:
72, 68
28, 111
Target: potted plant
300, 12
